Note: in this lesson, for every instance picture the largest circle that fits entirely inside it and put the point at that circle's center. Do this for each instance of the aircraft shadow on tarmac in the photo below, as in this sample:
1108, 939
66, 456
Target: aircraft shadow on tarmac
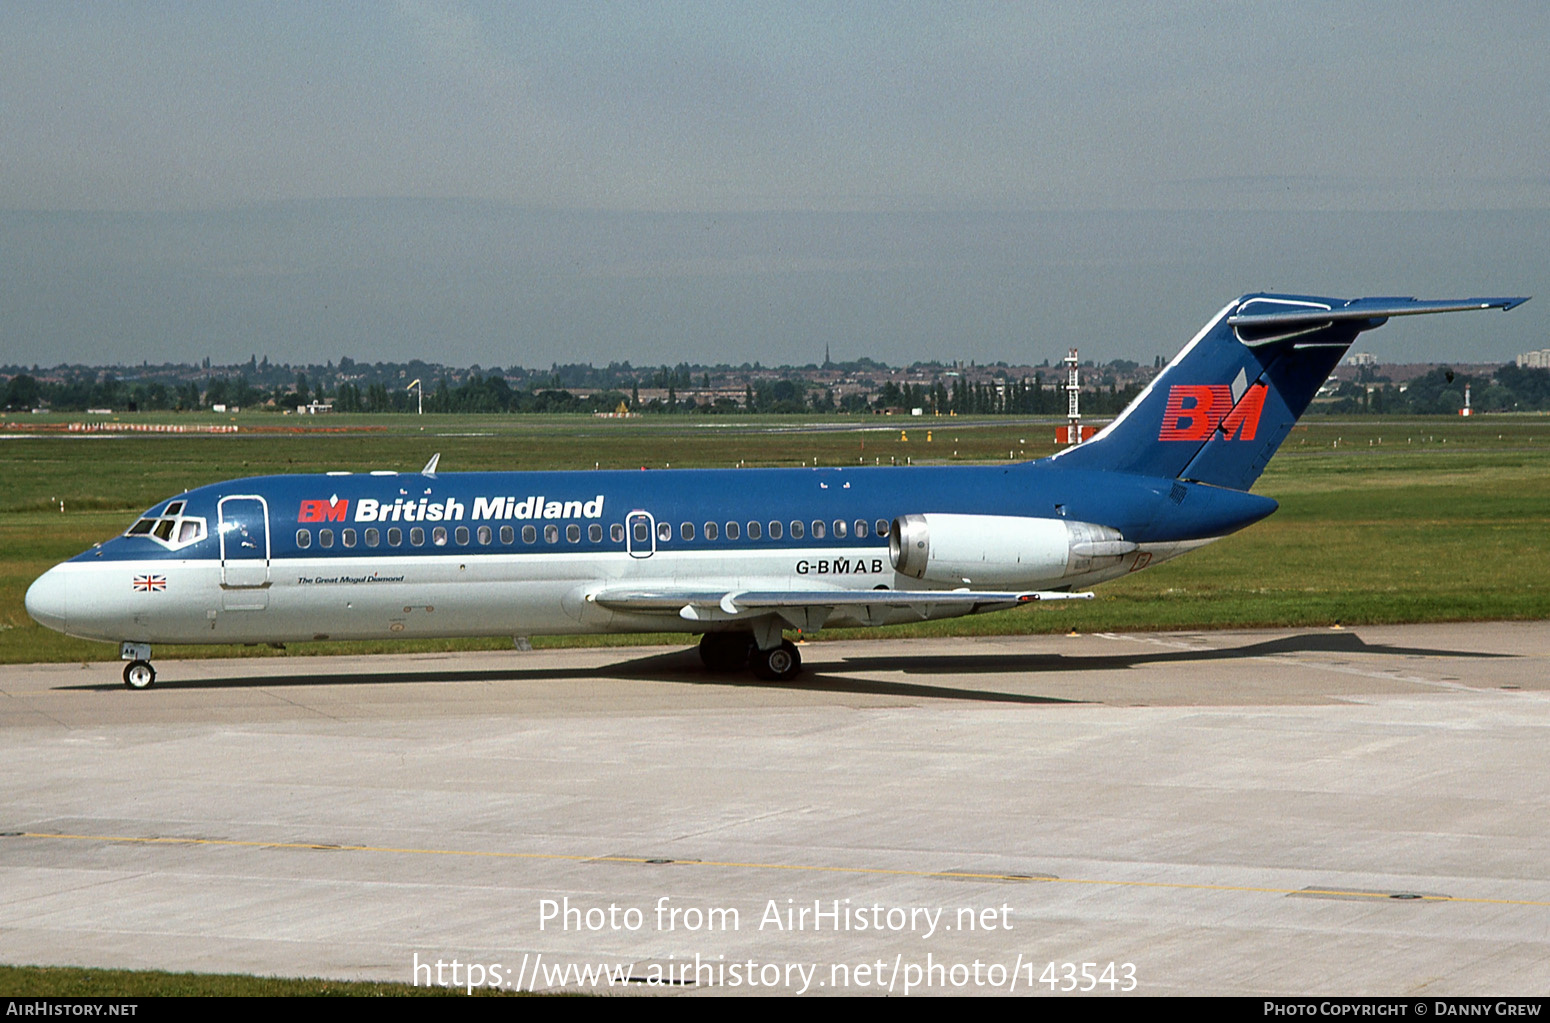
683, 667
1338, 643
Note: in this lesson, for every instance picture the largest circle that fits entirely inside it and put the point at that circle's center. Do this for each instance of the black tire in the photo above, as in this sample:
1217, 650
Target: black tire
779, 664
139, 675
725, 651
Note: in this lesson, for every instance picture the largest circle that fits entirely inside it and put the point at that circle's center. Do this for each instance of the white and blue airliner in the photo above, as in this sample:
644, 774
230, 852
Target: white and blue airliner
739, 556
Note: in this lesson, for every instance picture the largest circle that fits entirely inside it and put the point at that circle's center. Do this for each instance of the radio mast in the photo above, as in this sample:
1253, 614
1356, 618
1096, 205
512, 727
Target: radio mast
1073, 414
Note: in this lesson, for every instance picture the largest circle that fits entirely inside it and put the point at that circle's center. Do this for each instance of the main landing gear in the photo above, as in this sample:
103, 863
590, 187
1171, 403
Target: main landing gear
777, 664
726, 652
138, 673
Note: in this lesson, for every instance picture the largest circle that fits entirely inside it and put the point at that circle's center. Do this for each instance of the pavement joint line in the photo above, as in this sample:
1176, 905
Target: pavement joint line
813, 868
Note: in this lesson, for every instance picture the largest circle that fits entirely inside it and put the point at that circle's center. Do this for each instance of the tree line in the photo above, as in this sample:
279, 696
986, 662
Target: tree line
1438, 392
1441, 392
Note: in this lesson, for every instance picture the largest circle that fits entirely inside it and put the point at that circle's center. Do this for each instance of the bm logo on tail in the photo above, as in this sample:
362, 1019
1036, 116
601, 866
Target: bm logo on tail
1194, 410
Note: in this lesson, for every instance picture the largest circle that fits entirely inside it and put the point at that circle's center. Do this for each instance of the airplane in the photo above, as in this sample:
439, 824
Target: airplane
739, 556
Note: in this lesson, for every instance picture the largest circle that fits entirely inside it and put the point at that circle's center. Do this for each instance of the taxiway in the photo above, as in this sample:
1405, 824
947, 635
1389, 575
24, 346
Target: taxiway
1282, 812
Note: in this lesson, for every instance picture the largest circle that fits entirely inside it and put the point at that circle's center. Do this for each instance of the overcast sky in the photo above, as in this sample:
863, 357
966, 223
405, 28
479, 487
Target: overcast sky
514, 183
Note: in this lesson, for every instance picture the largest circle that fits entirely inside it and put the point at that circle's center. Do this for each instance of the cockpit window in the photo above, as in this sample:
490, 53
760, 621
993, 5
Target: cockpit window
172, 529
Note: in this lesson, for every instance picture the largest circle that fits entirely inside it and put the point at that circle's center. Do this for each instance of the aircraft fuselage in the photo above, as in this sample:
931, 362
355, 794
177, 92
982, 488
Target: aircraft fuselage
370, 556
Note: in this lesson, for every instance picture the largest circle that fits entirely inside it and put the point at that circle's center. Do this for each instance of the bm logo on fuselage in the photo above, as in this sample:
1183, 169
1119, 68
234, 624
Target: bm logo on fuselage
1194, 410
323, 511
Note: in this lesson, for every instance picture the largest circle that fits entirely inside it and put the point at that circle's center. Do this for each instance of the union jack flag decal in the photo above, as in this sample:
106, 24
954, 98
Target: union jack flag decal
150, 583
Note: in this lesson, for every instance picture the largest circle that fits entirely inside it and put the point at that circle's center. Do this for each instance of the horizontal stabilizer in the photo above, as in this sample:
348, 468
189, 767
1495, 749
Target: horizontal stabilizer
1263, 327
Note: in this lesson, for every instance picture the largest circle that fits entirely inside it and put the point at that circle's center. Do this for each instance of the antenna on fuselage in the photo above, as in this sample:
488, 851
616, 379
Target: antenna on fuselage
430, 467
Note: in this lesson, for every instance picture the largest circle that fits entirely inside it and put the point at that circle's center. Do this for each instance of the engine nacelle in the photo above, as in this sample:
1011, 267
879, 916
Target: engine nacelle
1003, 550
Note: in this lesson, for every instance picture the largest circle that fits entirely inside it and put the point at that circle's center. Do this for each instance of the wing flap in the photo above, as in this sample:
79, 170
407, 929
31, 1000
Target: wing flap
806, 607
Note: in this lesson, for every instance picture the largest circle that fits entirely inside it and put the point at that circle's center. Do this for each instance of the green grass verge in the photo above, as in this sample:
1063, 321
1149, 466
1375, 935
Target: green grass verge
76, 982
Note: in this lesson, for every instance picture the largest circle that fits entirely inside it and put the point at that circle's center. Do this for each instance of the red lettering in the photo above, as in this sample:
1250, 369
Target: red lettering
1194, 410
1244, 419
322, 511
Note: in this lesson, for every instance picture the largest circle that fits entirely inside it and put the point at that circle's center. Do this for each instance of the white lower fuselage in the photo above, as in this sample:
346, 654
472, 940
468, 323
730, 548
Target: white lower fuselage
479, 594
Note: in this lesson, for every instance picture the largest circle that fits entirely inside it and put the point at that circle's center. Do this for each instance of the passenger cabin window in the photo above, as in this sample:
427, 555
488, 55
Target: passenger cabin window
797, 529
817, 529
417, 536
595, 532
617, 532
439, 536
775, 530
732, 531
686, 531
753, 531
462, 536
840, 529
373, 537
529, 534
882, 527
347, 537
664, 531
485, 535
573, 533
303, 538
710, 531
508, 535
395, 537
325, 538
861, 529
551, 534
642, 533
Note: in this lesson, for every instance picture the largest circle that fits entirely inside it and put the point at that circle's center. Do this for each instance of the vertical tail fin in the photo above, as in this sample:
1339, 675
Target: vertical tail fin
1222, 407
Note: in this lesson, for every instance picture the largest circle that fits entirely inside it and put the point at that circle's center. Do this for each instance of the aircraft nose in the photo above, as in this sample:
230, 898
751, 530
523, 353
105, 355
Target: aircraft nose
48, 599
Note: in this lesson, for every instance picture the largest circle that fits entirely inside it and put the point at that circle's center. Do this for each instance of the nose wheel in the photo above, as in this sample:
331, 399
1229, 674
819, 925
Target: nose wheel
139, 675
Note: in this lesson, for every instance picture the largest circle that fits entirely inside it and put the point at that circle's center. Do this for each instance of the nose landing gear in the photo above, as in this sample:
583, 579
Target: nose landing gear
138, 673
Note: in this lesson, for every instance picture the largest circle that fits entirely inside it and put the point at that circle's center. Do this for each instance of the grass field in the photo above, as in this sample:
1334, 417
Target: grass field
122, 985
1381, 520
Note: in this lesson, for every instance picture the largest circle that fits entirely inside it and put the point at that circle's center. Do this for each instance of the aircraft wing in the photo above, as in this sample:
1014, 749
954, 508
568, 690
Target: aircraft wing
808, 609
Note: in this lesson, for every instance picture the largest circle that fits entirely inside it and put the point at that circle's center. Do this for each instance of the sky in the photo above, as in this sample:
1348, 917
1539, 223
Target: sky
527, 183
